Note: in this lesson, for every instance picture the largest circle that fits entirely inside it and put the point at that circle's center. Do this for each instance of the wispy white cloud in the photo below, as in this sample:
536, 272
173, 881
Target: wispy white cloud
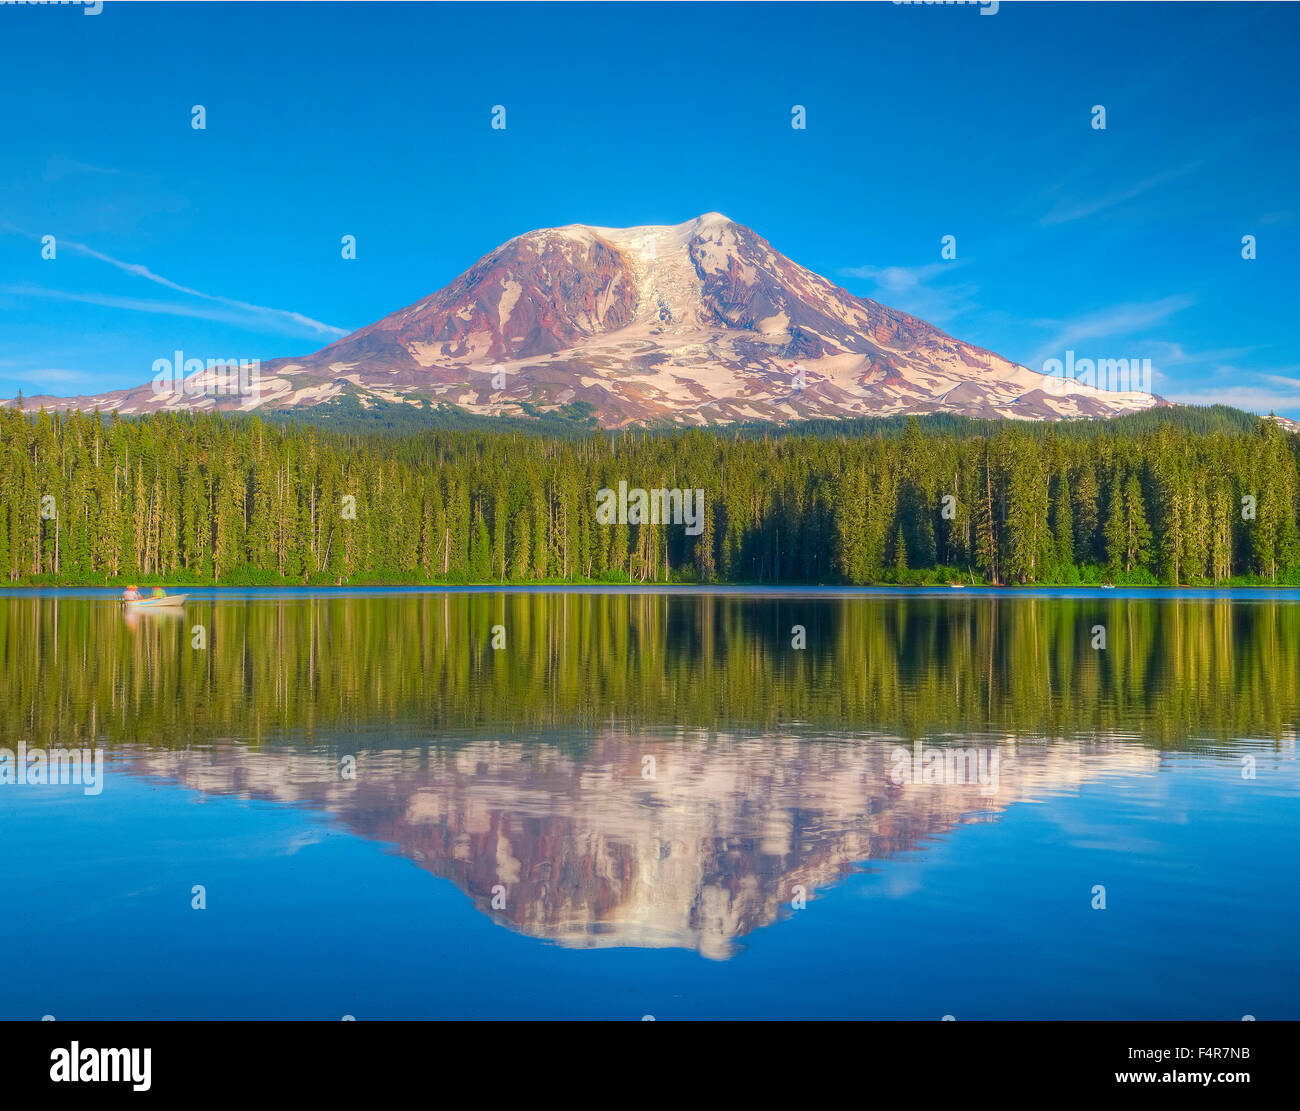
901, 278
139, 304
1213, 378
1119, 320
271, 315
1167, 354
916, 289
1070, 209
58, 168
52, 375
248, 315
1254, 399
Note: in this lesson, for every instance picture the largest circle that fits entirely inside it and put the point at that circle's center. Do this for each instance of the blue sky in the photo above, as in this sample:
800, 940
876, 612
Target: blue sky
325, 120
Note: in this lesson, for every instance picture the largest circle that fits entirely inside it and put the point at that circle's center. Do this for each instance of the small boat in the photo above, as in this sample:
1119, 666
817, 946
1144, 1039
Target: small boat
1108, 586
957, 586
157, 603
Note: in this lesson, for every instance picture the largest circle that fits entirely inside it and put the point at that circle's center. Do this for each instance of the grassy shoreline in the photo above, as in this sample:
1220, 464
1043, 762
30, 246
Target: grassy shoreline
911, 580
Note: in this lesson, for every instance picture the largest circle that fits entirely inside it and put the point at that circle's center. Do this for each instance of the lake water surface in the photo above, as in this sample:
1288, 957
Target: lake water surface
684, 804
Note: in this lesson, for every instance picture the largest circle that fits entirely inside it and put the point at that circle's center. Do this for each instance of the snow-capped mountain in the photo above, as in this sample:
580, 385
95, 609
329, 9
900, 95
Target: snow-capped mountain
699, 323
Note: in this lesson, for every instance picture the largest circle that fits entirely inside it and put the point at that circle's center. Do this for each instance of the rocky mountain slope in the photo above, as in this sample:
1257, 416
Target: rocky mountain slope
700, 323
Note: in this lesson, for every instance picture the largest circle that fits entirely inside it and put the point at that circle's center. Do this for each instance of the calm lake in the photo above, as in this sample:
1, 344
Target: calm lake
685, 804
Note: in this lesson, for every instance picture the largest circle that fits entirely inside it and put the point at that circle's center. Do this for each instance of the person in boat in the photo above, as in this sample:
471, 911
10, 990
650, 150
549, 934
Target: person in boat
158, 592
131, 594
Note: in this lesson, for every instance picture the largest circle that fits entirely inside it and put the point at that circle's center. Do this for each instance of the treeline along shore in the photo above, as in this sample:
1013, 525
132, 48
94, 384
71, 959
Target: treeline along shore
1178, 496
349, 670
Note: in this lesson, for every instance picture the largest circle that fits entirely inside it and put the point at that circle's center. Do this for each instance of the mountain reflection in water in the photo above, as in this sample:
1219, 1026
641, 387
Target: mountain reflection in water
590, 853
518, 774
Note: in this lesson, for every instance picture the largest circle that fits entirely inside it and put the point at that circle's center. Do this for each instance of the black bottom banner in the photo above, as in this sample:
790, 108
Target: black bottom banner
349, 1058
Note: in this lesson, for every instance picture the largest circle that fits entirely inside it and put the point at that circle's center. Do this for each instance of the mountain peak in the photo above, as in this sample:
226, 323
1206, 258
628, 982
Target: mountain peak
700, 322
677, 235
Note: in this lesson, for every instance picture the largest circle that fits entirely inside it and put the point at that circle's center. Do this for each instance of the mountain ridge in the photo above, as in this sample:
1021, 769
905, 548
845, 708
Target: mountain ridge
697, 323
